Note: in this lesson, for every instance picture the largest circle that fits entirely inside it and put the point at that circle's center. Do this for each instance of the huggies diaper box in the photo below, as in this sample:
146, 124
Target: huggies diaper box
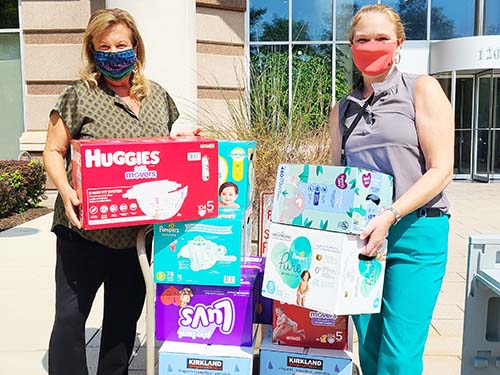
200, 252
236, 177
206, 314
123, 182
294, 360
338, 199
298, 326
322, 271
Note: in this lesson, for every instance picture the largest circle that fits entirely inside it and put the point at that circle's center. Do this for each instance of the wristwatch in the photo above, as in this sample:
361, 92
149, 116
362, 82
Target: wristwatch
396, 214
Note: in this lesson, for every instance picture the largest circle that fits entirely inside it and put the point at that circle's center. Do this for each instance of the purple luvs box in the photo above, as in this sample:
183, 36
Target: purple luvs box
263, 305
207, 314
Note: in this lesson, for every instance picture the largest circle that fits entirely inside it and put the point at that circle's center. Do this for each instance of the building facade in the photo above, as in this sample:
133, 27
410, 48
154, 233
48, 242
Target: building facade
205, 51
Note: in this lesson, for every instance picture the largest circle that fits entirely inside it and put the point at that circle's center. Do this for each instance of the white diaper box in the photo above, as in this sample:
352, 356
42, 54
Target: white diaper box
124, 182
337, 199
339, 281
294, 360
201, 252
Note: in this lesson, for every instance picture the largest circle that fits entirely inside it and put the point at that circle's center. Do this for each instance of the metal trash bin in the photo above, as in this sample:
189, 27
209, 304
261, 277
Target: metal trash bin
481, 335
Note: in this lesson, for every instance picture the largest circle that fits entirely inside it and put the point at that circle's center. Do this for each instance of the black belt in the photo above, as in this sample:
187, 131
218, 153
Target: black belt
430, 212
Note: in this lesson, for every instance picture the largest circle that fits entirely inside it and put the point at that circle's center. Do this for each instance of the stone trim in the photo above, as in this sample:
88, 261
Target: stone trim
229, 93
46, 87
218, 48
53, 37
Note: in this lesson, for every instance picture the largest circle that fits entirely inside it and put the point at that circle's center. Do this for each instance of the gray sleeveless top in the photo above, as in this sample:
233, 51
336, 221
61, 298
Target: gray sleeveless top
385, 138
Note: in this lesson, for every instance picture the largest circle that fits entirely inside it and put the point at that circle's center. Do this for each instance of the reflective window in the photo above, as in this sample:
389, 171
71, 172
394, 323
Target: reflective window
491, 17
269, 20
312, 84
312, 20
11, 95
463, 124
346, 72
450, 21
345, 9
413, 13
9, 15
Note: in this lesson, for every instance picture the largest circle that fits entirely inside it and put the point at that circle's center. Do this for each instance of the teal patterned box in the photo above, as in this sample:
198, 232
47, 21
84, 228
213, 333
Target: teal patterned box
337, 199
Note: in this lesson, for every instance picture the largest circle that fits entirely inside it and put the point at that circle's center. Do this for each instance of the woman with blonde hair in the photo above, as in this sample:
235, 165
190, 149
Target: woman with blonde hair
400, 124
112, 99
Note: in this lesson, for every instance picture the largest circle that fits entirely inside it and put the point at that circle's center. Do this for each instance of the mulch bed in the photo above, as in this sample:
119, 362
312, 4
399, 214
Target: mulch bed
17, 219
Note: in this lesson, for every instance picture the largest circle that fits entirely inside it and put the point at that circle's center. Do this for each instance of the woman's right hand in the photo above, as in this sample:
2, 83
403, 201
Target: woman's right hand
71, 205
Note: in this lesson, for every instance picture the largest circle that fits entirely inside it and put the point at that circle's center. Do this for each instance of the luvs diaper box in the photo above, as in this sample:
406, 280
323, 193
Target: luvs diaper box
298, 326
200, 252
321, 271
123, 182
338, 199
236, 174
288, 360
206, 314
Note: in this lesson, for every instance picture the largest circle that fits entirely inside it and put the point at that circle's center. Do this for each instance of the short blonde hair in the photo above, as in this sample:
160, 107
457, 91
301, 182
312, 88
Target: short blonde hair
100, 21
391, 14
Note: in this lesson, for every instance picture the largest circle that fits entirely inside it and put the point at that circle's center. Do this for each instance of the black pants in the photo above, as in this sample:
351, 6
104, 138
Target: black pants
82, 267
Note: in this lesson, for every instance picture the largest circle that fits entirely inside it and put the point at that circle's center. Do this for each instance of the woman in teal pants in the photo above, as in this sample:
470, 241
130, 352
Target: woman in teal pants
405, 130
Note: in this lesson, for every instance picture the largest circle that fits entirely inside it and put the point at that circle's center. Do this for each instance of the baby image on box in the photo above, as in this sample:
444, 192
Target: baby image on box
228, 193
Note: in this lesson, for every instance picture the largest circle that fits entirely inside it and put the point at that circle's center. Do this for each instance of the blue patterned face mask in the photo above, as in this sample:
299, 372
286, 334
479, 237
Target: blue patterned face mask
115, 65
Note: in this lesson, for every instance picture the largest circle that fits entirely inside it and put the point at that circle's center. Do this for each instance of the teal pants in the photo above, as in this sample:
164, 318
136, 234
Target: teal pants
392, 341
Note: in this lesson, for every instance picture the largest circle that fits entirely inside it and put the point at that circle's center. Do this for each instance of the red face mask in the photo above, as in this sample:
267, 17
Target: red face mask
373, 58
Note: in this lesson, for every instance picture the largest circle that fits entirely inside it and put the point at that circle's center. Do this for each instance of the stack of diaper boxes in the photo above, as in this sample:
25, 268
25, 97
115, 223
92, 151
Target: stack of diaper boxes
206, 298
313, 269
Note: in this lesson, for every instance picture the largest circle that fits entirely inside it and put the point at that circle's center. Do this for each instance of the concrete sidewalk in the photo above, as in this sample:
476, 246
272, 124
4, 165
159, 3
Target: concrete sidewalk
27, 259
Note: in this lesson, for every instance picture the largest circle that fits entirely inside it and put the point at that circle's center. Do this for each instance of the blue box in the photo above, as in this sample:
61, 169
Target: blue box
236, 168
287, 360
200, 252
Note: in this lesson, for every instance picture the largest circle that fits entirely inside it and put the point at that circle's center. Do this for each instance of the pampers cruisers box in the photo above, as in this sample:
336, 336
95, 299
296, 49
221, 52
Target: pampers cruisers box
321, 271
201, 252
295, 360
123, 182
337, 199
298, 326
206, 314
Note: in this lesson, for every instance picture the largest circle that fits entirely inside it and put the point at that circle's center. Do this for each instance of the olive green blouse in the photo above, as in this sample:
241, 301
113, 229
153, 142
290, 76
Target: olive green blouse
100, 113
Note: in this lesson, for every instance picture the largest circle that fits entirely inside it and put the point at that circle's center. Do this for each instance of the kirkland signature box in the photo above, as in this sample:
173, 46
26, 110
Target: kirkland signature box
294, 360
123, 182
337, 199
322, 271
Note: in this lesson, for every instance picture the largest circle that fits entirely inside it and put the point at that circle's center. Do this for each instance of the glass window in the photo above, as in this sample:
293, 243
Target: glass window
9, 16
345, 9
312, 84
491, 17
11, 95
346, 74
269, 20
269, 84
312, 20
413, 13
450, 21
463, 124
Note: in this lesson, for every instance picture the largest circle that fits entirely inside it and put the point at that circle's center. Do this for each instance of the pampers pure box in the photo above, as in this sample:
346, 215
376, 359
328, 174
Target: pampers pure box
321, 271
123, 182
200, 252
337, 199
206, 314
236, 177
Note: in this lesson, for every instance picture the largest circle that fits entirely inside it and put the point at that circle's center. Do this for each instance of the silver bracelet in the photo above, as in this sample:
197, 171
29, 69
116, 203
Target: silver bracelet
395, 213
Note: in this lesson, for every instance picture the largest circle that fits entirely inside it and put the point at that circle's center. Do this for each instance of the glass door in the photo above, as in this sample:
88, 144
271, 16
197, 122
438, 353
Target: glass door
483, 127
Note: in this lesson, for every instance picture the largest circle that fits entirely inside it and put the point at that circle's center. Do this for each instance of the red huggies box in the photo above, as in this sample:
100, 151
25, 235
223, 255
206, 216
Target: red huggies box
124, 182
297, 326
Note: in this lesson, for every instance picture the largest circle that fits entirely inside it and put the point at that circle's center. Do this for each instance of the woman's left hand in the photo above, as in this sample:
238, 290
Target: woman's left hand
376, 233
195, 132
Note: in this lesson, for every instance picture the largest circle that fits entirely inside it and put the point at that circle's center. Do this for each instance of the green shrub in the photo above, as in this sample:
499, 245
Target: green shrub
22, 186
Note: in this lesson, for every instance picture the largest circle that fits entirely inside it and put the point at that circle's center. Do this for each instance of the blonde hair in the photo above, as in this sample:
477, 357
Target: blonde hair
100, 21
379, 8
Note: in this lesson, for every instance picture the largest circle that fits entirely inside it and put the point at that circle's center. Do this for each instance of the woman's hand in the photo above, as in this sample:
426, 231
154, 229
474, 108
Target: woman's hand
376, 233
71, 204
195, 132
